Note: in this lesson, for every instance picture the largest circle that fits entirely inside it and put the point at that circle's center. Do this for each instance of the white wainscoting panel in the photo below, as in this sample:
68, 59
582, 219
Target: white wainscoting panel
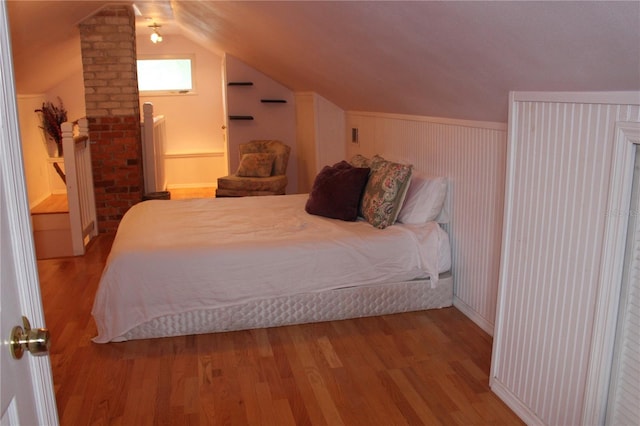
472, 155
558, 172
194, 170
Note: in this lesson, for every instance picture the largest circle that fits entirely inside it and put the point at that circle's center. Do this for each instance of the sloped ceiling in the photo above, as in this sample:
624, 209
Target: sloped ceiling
446, 59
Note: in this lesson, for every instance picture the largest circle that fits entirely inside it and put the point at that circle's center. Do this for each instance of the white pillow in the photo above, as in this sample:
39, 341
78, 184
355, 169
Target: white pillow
424, 200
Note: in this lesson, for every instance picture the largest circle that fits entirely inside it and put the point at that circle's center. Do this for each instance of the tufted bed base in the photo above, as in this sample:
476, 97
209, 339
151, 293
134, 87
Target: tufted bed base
338, 304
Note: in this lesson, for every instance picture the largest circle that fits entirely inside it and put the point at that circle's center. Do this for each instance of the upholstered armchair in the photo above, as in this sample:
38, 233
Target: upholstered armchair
262, 170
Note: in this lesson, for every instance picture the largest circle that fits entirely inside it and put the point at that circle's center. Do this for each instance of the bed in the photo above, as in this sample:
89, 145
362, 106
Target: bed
197, 266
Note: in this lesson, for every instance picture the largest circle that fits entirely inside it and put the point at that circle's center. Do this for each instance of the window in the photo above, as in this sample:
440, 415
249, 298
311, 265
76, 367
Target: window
168, 75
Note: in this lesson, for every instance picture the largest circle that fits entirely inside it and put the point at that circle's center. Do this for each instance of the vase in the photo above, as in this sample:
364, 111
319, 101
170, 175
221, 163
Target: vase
52, 148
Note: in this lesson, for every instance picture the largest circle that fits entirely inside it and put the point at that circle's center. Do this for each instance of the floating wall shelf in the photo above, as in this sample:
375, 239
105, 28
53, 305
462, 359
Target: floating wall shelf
240, 117
273, 101
240, 83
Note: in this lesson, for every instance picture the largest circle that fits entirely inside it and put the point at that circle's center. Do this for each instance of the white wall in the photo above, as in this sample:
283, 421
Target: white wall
34, 150
270, 121
331, 128
195, 139
472, 156
320, 133
306, 136
42, 179
194, 170
71, 92
560, 156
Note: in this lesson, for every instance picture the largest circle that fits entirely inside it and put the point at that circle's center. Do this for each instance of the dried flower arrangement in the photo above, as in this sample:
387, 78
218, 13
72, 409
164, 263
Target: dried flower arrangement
52, 116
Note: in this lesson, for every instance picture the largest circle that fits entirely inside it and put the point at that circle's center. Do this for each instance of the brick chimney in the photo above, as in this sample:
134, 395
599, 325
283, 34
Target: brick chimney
111, 95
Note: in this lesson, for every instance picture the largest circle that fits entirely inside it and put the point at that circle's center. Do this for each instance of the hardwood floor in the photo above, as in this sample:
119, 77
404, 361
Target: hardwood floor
182, 193
416, 368
55, 203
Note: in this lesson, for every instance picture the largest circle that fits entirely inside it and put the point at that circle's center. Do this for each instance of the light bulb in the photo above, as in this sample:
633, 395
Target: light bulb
156, 38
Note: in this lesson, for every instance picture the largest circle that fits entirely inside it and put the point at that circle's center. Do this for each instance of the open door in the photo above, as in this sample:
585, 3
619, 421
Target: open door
27, 396
623, 398
225, 113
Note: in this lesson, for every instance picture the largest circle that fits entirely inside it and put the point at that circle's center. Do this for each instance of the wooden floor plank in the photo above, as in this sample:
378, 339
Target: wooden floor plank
54, 203
426, 367
421, 409
183, 193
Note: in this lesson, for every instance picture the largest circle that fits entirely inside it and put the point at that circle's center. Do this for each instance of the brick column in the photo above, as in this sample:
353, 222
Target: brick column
111, 94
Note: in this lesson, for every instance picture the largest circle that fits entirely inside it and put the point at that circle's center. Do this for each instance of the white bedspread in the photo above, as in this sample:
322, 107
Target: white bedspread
181, 255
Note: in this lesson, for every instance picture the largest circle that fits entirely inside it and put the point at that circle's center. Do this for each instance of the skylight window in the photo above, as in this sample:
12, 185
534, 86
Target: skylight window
165, 75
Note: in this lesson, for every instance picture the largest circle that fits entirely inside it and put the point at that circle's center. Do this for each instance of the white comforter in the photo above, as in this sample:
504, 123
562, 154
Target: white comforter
176, 256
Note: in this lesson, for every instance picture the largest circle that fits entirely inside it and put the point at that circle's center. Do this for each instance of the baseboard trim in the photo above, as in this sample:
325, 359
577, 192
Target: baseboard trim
192, 185
473, 315
514, 403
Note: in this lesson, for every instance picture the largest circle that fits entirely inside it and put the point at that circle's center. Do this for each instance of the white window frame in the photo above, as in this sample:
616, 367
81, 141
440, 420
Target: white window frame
169, 92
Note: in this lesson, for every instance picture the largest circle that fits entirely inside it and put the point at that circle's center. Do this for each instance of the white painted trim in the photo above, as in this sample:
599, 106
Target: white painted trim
515, 404
148, 148
31, 96
473, 315
491, 125
172, 155
22, 246
192, 185
506, 236
52, 160
626, 139
614, 98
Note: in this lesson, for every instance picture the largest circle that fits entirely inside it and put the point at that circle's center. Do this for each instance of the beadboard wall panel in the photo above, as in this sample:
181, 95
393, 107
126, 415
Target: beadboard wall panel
560, 154
472, 155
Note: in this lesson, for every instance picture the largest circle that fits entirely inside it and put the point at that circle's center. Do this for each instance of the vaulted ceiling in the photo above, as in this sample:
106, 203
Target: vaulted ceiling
447, 59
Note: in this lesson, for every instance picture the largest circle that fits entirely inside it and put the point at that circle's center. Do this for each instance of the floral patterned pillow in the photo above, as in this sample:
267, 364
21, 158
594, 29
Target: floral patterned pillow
359, 161
385, 191
256, 165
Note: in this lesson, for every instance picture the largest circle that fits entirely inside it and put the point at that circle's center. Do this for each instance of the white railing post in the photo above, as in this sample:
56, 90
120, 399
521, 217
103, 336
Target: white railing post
87, 191
148, 148
80, 192
75, 219
159, 143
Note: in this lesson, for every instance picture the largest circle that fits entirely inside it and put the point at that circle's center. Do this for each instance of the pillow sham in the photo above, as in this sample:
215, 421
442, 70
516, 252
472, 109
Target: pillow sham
385, 192
376, 160
359, 161
337, 191
424, 200
256, 164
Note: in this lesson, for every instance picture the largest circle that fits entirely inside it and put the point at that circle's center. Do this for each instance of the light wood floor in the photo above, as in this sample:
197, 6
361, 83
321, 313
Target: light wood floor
182, 193
54, 203
57, 203
417, 368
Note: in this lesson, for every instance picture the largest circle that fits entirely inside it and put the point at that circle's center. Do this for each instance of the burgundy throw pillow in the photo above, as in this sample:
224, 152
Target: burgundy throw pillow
337, 191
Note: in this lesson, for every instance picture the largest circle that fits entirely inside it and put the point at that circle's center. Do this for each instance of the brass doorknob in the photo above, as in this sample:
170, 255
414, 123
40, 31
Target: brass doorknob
35, 341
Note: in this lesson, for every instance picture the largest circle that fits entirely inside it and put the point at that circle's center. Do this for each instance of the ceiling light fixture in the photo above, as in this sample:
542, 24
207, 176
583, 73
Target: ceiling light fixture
155, 36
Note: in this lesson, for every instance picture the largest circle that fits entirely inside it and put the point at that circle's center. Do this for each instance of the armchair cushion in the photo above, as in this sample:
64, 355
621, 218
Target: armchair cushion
256, 165
273, 185
280, 150
262, 170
